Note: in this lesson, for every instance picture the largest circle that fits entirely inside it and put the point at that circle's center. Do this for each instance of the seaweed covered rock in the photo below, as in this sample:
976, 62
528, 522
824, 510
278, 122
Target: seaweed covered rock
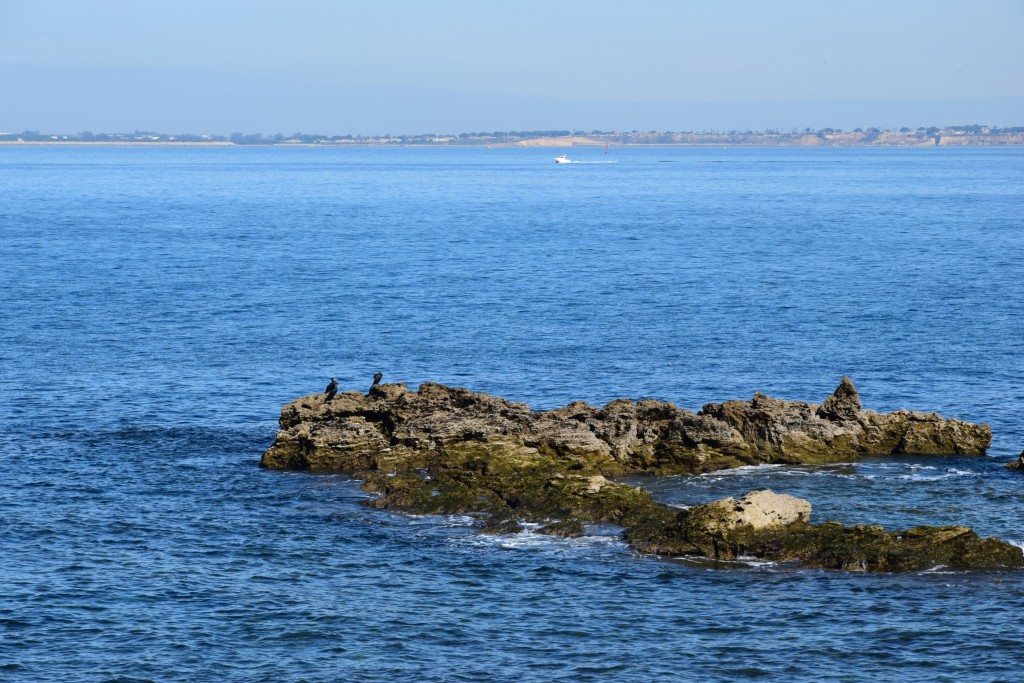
1019, 464
566, 528
446, 450
533, 495
767, 526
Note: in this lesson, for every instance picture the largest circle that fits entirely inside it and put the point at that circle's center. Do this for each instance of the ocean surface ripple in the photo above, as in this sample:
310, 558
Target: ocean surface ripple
160, 305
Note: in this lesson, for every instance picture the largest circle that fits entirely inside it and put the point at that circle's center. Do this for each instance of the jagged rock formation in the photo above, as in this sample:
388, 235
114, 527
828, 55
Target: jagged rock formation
448, 450
391, 427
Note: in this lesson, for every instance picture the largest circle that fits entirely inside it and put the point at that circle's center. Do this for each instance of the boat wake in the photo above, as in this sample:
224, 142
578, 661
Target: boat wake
562, 159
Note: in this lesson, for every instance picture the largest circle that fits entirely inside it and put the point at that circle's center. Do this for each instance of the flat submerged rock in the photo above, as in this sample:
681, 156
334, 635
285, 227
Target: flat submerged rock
450, 450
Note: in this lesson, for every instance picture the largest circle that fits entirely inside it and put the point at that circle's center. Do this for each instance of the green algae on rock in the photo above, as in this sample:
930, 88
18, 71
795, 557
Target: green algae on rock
775, 527
446, 450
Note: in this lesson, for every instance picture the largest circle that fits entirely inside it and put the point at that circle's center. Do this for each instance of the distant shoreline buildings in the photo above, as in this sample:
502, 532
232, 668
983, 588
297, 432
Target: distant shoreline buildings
949, 136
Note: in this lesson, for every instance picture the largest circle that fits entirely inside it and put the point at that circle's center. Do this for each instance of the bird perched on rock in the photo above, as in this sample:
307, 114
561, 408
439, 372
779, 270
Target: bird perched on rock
331, 389
376, 379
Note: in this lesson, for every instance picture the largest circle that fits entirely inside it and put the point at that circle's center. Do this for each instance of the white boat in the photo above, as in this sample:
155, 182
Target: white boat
562, 159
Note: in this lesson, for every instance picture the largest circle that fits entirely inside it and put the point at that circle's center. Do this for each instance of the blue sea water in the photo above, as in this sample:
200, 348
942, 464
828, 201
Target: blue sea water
159, 306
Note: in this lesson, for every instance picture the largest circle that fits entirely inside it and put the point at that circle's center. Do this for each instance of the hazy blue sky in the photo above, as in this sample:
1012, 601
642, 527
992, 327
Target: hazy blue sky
460, 65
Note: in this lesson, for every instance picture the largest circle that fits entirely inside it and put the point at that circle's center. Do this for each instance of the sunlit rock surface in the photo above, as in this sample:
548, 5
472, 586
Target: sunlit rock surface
393, 428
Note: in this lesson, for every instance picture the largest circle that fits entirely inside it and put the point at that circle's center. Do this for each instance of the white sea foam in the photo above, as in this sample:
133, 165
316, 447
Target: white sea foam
431, 519
741, 561
949, 473
754, 561
742, 471
457, 520
910, 471
527, 539
786, 470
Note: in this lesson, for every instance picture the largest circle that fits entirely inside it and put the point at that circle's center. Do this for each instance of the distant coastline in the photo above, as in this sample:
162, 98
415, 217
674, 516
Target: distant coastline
117, 143
950, 136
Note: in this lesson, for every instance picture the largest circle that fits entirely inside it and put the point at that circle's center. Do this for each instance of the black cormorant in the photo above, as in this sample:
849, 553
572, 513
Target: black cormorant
331, 389
376, 379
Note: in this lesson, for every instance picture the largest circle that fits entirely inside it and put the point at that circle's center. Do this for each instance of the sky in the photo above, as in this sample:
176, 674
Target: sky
402, 66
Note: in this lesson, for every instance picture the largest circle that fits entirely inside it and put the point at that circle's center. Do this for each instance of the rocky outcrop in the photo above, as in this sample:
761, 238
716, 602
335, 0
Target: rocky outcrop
769, 526
1019, 464
392, 428
445, 450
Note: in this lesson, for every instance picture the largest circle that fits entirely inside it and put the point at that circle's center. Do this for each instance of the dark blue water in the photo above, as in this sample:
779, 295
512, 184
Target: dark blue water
158, 306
